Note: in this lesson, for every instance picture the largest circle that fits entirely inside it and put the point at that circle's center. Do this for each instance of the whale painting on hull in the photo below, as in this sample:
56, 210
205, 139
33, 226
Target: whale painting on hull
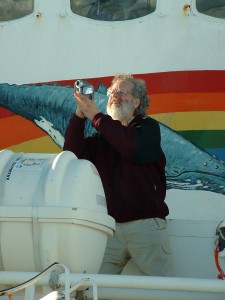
189, 165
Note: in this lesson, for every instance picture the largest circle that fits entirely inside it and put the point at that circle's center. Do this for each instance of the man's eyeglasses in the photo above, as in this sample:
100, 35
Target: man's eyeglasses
120, 92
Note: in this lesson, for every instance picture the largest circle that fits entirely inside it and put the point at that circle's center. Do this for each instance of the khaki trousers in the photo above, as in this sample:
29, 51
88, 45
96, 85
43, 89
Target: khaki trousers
144, 241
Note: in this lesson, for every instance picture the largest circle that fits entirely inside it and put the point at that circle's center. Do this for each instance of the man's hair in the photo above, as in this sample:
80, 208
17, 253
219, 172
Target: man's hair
139, 91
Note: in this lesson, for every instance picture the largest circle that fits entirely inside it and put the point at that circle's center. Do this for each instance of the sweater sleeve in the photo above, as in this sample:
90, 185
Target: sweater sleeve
75, 140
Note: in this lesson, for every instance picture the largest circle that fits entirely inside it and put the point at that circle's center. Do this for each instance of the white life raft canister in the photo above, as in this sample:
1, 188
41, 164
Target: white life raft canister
52, 209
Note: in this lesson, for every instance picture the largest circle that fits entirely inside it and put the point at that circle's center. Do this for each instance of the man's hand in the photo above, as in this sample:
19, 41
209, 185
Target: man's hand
79, 112
85, 106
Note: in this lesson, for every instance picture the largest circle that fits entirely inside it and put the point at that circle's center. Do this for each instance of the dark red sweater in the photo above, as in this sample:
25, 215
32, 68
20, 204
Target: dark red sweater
130, 162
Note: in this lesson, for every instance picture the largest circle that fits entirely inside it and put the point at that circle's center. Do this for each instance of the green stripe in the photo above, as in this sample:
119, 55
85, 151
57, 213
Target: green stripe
205, 138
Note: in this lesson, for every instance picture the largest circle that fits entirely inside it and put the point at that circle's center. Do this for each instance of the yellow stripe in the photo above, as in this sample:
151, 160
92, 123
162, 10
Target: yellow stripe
40, 145
209, 120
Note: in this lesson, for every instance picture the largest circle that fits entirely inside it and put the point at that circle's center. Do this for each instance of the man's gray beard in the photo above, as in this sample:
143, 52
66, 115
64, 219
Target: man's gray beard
121, 112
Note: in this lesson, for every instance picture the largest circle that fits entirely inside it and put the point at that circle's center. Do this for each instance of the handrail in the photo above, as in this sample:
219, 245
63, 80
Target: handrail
37, 278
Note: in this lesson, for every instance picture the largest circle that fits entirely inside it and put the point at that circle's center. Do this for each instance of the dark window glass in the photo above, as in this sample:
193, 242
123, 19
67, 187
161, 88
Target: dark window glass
15, 9
113, 10
213, 8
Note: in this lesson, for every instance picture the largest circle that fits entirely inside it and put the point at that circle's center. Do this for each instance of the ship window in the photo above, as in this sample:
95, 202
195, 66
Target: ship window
213, 8
113, 10
15, 9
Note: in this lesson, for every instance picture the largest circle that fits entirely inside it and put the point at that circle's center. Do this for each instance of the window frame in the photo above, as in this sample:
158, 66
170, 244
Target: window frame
22, 17
205, 16
86, 19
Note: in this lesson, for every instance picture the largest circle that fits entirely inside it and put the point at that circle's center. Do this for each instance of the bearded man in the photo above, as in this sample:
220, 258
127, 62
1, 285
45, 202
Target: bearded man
128, 156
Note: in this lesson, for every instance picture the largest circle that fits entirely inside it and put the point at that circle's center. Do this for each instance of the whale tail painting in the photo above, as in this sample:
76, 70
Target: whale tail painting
177, 47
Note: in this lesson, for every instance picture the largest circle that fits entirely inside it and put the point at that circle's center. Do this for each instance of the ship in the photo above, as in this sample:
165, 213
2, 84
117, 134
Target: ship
51, 240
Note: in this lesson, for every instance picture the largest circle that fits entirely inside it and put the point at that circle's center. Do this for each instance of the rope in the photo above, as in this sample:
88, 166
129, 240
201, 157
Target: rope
29, 282
221, 274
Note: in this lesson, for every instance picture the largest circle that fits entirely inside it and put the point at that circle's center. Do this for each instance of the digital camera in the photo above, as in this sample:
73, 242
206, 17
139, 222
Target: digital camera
85, 88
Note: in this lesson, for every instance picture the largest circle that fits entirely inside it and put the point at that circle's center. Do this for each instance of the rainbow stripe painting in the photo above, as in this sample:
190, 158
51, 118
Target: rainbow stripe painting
190, 102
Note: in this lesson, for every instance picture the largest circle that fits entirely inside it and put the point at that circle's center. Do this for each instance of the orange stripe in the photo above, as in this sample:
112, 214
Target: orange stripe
15, 130
180, 102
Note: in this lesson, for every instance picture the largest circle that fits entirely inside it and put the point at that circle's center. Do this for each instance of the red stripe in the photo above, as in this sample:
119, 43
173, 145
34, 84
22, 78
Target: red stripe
4, 113
170, 82
173, 82
177, 82
186, 82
